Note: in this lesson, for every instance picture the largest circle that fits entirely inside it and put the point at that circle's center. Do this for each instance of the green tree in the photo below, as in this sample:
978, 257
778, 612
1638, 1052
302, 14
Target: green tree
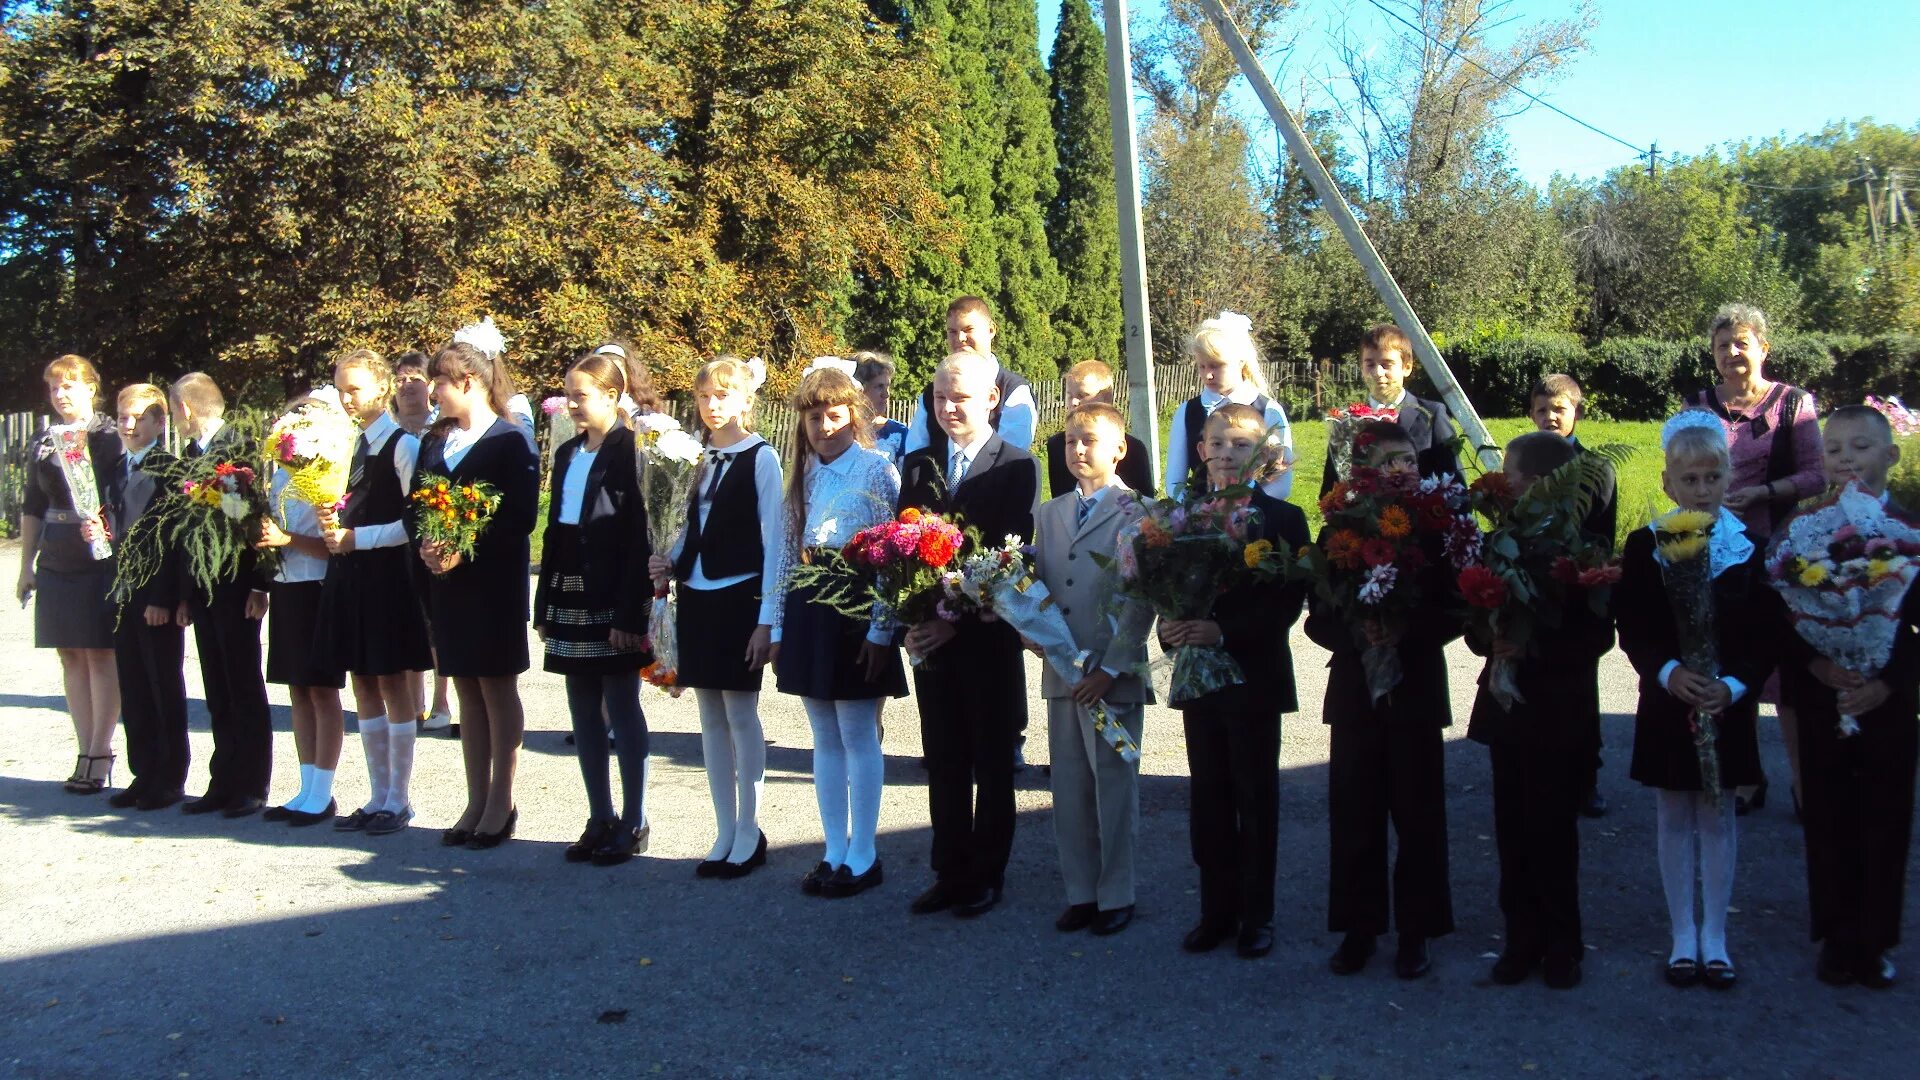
1083, 224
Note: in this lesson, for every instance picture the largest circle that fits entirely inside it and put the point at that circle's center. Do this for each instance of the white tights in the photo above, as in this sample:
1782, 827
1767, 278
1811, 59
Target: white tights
735, 748
1686, 817
848, 772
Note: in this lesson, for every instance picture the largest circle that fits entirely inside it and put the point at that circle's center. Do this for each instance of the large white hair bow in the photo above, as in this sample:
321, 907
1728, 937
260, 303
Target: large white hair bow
484, 336
1691, 418
832, 363
1233, 320
759, 369
611, 349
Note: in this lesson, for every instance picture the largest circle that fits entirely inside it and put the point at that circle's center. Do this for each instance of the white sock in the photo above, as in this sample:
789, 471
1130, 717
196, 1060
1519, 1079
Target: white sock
750, 768
1718, 847
716, 749
400, 740
1675, 828
866, 774
829, 777
373, 741
320, 794
299, 800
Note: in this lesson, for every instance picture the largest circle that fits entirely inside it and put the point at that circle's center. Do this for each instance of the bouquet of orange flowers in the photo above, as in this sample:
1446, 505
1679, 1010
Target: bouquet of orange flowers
452, 516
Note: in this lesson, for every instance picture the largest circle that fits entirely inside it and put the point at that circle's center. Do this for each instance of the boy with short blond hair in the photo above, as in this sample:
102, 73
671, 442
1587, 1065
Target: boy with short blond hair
1092, 381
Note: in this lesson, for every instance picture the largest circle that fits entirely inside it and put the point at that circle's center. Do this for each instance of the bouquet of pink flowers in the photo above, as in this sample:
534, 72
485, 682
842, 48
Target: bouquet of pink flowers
1843, 566
906, 565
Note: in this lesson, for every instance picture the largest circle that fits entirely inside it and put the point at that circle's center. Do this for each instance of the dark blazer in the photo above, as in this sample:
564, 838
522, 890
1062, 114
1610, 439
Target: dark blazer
1421, 698
479, 608
1558, 701
997, 498
1135, 470
1255, 621
61, 548
131, 498
1431, 429
1603, 523
613, 531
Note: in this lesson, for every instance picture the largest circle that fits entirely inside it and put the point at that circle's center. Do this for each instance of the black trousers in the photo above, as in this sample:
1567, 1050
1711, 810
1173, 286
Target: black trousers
1857, 803
1536, 801
972, 694
153, 700
1383, 772
1233, 758
229, 645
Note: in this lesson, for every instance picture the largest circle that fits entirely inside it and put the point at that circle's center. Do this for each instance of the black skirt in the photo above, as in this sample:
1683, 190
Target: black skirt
820, 655
576, 624
369, 622
1664, 756
71, 609
711, 628
296, 655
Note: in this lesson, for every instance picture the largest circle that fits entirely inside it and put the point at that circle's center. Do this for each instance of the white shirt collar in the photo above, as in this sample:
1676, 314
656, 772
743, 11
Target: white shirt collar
1242, 395
1396, 404
842, 465
378, 431
213, 428
752, 440
971, 451
140, 455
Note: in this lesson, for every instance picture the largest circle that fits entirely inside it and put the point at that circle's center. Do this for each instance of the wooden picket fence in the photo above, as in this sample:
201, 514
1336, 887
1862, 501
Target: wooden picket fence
17, 433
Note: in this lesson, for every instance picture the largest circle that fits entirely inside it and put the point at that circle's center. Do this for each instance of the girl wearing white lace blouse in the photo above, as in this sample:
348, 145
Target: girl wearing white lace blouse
841, 668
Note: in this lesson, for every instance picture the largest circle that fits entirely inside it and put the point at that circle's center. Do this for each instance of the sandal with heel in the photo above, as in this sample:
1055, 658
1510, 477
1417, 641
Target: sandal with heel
84, 782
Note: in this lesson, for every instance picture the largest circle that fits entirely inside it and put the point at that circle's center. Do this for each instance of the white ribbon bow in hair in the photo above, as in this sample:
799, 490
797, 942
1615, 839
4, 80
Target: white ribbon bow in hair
611, 349
759, 369
1690, 418
1233, 320
832, 363
484, 336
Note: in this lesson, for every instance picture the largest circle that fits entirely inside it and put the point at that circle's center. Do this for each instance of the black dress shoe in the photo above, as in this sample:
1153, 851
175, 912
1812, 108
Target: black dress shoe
1719, 975
1514, 966
1833, 967
1876, 971
815, 878
731, 870
125, 799
978, 903
454, 837
845, 883
595, 834
938, 897
357, 822
1562, 972
624, 844
159, 800
1593, 804
1411, 960
1207, 936
480, 841
300, 819
1255, 942
1076, 917
277, 813
1108, 923
244, 806
205, 804
1743, 805
1683, 972
1352, 955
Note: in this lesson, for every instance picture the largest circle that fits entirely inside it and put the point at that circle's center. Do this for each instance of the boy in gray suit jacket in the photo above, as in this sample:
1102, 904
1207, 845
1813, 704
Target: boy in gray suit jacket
1096, 792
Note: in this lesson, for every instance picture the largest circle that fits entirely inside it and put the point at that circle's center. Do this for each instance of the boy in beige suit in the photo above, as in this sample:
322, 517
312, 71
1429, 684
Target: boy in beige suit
1096, 792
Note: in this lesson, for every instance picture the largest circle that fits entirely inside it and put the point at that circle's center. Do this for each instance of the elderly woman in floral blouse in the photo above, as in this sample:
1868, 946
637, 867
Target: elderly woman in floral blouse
1774, 438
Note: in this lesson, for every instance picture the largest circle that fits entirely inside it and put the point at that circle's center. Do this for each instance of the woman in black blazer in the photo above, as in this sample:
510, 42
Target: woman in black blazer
479, 603
590, 606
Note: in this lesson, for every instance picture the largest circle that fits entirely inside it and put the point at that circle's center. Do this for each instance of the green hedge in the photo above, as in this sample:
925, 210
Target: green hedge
1643, 378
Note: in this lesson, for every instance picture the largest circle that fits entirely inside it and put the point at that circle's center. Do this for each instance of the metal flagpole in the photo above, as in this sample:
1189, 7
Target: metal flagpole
1336, 204
1143, 411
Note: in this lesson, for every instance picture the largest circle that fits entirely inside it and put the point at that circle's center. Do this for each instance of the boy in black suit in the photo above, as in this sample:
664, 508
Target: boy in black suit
1092, 380
1557, 404
226, 629
972, 685
1542, 749
1388, 760
149, 638
1233, 734
1386, 359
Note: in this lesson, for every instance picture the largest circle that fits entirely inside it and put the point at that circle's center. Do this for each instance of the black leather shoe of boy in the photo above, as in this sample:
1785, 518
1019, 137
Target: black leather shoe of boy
1076, 917
938, 897
1207, 936
1108, 923
126, 798
1352, 955
1412, 960
1255, 942
1833, 967
1513, 967
205, 804
1561, 972
976, 904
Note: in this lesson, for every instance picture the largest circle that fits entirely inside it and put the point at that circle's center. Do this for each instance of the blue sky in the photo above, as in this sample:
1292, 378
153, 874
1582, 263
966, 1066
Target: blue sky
1688, 74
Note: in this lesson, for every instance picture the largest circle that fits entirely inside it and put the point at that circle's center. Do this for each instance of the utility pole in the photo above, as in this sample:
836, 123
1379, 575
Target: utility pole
1143, 412
1336, 204
1873, 209
1653, 160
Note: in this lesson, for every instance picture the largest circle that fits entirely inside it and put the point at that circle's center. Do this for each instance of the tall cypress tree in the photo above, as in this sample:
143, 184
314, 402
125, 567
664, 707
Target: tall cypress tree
1082, 222
1031, 288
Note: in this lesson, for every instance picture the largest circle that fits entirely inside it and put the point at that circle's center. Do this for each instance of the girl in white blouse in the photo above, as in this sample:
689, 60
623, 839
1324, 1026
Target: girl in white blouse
841, 668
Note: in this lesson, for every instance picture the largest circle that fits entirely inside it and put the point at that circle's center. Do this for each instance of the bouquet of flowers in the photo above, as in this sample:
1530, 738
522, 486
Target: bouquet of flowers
1681, 539
907, 565
1343, 424
669, 462
1533, 557
76, 464
452, 515
314, 445
211, 515
1369, 561
1843, 566
1003, 580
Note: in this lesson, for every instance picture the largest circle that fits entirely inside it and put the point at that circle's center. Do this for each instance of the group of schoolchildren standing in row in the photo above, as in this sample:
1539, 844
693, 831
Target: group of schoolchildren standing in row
354, 596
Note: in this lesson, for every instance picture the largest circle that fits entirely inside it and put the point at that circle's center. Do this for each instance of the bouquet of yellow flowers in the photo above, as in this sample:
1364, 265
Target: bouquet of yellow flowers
452, 516
313, 444
1681, 540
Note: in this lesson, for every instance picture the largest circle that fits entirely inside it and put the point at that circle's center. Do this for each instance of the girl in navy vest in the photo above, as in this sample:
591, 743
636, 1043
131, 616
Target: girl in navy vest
1223, 352
592, 602
370, 622
728, 565
479, 603
840, 668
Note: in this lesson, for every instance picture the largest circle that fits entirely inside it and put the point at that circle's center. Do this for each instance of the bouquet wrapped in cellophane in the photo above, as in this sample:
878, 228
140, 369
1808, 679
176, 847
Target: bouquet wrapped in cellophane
313, 444
1844, 566
1682, 539
76, 464
1343, 424
669, 462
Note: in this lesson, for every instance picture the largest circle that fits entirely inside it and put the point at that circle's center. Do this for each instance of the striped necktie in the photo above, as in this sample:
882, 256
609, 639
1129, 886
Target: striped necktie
1085, 509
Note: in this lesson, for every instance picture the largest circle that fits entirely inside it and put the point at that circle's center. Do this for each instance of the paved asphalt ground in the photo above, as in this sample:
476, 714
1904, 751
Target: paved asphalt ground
160, 945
